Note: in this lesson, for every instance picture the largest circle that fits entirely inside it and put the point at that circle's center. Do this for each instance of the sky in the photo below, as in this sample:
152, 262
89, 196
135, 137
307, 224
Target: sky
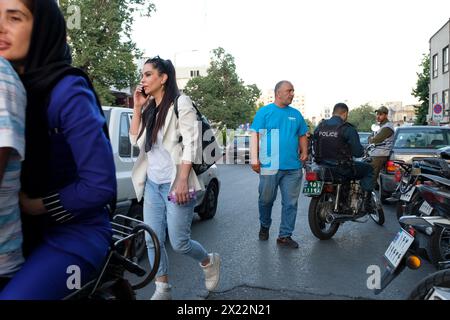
354, 51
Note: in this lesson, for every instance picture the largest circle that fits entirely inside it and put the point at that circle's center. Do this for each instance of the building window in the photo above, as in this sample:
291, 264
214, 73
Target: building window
435, 66
445, 102
195, 73
434, 99
445, 60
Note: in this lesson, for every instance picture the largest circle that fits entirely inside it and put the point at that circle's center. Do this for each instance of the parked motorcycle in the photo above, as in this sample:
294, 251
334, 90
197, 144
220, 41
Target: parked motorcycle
336, 199
111, 283
412, 243
407, 198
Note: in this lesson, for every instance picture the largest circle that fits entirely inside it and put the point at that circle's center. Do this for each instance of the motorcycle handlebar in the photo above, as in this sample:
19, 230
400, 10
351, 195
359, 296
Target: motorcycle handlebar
129, 265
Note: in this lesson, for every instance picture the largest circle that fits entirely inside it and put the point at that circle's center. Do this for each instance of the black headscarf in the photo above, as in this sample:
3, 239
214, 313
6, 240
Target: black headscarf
48, 61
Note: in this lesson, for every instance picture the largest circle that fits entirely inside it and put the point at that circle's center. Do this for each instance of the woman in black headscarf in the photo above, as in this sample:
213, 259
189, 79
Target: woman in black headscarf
68, 175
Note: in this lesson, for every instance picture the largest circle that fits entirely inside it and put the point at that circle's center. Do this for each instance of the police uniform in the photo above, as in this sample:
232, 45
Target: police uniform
336, 142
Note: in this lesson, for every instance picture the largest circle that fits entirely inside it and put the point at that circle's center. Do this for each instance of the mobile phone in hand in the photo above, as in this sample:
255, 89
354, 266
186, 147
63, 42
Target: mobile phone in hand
143, 93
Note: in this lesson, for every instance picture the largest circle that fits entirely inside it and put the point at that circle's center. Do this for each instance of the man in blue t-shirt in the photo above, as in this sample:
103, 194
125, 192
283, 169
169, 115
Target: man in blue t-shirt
278, 147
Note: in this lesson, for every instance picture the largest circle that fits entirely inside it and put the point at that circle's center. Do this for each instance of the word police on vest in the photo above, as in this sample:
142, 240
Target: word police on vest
333, 134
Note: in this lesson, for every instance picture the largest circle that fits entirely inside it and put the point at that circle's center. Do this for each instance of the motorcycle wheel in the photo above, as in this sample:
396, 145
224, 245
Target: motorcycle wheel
318, 208
423, 290
440, 245
378, 216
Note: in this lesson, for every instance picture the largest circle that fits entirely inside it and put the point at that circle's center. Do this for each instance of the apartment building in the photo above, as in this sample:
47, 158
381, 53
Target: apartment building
439, 110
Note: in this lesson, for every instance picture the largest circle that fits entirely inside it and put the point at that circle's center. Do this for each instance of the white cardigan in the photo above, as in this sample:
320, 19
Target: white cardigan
188, 150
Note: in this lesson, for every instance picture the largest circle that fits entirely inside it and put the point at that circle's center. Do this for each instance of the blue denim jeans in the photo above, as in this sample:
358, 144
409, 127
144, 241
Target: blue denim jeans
161, 214
289, 182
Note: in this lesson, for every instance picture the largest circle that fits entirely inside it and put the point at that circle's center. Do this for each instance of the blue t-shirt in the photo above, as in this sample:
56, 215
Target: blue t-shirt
279, 129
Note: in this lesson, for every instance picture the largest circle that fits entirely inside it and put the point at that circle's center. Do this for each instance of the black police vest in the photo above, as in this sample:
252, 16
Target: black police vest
330, 143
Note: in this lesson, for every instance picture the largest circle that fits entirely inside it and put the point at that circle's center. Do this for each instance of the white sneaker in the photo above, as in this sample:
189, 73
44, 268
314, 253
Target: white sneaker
162, 292
212, 271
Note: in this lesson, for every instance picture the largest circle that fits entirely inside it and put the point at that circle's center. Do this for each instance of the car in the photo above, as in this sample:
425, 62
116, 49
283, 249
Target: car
411, 142
364, 138
239, 149
118, 120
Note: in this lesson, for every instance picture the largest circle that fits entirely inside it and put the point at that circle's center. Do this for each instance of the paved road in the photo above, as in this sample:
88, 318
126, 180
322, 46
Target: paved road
251, 269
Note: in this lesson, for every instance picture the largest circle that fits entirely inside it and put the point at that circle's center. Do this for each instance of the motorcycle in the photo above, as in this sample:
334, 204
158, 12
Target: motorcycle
409, 176
111, 283
409, 246
336, 199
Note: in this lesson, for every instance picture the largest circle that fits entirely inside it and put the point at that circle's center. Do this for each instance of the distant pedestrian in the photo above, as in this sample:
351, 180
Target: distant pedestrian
164, 168
384, 135
278, 147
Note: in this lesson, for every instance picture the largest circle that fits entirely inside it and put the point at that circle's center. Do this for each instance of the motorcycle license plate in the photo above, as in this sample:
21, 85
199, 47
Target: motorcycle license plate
398, 248
313, 188
425, 208
408, 195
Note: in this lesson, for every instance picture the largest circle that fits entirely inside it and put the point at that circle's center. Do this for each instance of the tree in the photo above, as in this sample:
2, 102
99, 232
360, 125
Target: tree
221, 95
362, 117
422, 90
101, 41
310, 125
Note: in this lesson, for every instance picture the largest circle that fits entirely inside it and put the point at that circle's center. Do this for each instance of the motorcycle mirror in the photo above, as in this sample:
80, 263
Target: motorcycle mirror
445, 153
375, 127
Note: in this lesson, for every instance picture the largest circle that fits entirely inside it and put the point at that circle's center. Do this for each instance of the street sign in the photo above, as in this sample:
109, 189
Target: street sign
437, 112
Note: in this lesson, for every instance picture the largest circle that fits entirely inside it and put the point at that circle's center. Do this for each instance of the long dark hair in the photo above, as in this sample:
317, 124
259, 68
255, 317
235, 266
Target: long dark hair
170, 93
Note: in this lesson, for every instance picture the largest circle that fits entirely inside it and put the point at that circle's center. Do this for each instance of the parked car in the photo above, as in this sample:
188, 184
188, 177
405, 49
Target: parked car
411, 142
364, 138
119, 120
239, 149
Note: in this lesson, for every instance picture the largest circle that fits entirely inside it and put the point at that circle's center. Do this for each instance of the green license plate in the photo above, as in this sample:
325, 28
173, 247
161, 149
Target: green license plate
313, 188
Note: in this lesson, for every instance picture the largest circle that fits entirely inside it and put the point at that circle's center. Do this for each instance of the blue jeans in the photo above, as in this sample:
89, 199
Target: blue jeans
289, 182
161, 214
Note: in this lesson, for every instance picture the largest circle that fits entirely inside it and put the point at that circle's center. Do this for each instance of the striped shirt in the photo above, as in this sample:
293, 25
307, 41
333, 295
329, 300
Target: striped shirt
12, 135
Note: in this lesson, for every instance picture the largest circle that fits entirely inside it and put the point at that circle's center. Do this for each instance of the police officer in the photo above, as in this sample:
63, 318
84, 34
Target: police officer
384, 135
335, 143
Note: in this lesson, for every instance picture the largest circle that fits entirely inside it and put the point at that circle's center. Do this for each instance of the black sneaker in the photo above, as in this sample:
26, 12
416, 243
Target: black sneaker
264, 233
287, 242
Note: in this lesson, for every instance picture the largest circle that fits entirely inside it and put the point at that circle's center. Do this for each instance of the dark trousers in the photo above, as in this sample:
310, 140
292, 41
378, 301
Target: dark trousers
360, 171
377, 164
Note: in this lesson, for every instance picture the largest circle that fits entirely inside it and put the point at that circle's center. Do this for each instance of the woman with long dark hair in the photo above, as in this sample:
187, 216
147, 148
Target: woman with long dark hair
68, 175
163, 174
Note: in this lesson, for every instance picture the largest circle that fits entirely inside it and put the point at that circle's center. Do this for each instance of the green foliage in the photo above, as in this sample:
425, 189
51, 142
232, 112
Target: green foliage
221, 95
422, 90
101, 43
362, 117
310, 125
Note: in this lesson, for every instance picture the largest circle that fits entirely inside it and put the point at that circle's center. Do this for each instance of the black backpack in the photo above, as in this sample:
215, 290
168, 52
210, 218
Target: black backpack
210, 145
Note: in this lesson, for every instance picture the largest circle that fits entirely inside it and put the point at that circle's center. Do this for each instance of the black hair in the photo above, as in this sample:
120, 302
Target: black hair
340, 108
29, 4
171, 92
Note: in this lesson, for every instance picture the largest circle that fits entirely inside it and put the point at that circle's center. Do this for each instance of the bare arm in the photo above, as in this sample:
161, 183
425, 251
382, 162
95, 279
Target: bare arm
303, 147
139, 102
254, 152
181, 186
